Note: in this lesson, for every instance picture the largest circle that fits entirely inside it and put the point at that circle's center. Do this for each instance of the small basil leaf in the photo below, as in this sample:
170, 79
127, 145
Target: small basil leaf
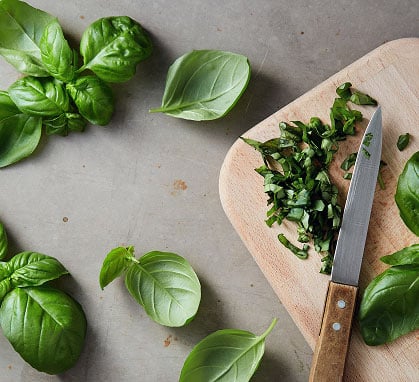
64, 123
93, 98
359, 98
403, 141
390, 305
19, 137
56, 54
204, 84
45, 326
39, 96
344, 91
117, 261
112, 47
228, 355
7, 106
407, 194
20, 35
166, 286
32, 269
3, 243
406, 256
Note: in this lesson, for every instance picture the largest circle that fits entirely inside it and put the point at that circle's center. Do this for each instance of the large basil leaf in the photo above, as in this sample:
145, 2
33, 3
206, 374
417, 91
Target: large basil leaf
406, 256
39, 96
56, 54
21, 30
45, 326
390, 305
166, 286
228, 355
19, 137
64, 123
3, 243
204, 84
7, 106
407, 194
113, 46
116, 261
93, 98
32, 269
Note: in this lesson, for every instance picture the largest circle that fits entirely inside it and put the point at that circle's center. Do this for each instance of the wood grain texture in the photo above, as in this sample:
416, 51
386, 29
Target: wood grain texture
390, 74
332, 345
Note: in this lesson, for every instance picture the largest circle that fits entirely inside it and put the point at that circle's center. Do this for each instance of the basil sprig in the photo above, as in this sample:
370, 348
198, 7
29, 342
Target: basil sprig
61, 93
390, 304
163, 283
296, 176
45, 326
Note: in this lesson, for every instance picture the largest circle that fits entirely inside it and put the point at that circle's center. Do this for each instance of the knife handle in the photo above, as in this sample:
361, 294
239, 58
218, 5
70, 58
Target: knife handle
330, 353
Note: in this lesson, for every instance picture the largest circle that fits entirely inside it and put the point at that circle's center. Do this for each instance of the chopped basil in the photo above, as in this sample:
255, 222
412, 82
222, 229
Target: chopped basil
296, 178
348, 162
403, 141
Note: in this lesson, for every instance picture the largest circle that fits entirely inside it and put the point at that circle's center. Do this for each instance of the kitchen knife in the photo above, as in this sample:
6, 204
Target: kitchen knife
333, 342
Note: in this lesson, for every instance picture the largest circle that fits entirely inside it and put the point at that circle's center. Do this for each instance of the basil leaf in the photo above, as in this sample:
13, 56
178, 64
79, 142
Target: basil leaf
19, 137
39, 96
112, 47
301, 253
407, 194
166, 286
93, 98
406, 256
45, 326
64, 123
359, 98
204, 84
56, 54
344, 91
5, 286
227, 355
390, 305
117, 261
403, 141
20, 34
7, 106
32, 269
3, 243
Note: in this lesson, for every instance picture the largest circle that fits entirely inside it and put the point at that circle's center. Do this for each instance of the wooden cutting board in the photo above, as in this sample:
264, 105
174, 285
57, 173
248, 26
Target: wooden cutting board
390, 74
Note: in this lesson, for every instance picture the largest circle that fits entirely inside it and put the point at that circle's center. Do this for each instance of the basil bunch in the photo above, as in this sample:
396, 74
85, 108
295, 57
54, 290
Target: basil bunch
44, 325
162, 282
58, 92
390, 304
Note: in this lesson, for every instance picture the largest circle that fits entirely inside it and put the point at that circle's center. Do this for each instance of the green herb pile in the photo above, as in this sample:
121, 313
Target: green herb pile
296, 177
45, 326
61, 90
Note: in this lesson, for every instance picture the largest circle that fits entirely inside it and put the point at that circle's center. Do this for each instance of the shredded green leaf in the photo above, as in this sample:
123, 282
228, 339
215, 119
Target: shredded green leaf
296, 176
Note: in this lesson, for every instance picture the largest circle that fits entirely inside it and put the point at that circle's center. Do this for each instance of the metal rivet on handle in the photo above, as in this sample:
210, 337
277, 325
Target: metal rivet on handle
341, 304
336, 326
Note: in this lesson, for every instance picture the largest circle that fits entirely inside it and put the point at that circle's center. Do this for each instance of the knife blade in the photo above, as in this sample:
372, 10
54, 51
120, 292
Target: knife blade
332, 346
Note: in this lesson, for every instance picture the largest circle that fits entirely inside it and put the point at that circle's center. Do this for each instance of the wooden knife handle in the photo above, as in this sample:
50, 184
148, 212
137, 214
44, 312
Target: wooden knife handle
330, 353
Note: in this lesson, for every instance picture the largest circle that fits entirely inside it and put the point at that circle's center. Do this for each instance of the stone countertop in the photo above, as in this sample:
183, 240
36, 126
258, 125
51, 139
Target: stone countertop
151, 181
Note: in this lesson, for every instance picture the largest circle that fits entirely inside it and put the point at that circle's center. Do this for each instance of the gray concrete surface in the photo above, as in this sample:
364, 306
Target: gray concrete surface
151, 181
